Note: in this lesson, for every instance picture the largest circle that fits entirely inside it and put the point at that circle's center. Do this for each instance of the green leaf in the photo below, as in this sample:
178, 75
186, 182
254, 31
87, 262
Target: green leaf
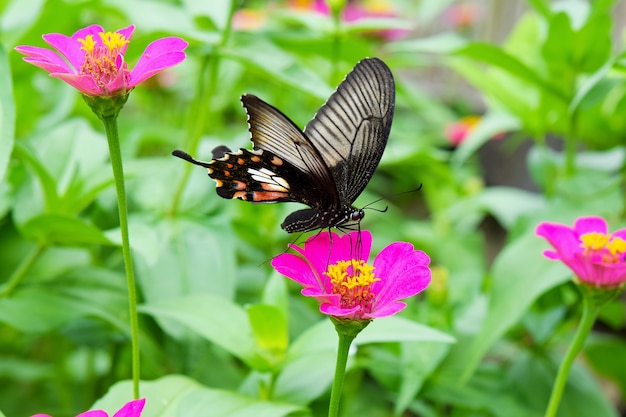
217, 320
15, 20
542, 7
179, 257
419, 360
163, 395
601, 351
269, 329
388, 329
520, 275
7, 113
63, 229
493, 55
443, 43
218, 12
41, 308
213, 402
265, 57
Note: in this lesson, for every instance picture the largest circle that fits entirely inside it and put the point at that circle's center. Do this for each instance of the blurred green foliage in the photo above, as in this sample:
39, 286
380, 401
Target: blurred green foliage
223, 335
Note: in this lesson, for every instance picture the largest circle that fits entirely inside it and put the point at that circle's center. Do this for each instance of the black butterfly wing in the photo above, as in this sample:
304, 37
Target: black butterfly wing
273, 132
351, 129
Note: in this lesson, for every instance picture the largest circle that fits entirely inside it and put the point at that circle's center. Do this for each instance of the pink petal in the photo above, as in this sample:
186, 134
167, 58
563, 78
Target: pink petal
68, 47
93, 413
403, 273
387, 310
297, 269
131, 408
621, 233
159, 55
127, 32
84, 83
333, 310
561, 237
44, 58
41, 415
589, 224
93, 30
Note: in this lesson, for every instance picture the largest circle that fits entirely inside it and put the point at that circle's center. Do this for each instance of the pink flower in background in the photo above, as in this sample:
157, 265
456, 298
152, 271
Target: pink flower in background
463, 15
357, 10
92, 60
334, 270
457, 131
595, 256
130, 409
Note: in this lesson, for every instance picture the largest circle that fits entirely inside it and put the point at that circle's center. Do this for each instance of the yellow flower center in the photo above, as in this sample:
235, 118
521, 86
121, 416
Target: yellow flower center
609, 248
353, 280
104, 61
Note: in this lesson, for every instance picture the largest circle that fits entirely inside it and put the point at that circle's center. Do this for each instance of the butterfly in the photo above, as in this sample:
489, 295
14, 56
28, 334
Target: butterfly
326, 166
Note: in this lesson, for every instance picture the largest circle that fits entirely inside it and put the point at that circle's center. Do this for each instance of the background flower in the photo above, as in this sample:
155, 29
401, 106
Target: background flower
594, 255
92, 61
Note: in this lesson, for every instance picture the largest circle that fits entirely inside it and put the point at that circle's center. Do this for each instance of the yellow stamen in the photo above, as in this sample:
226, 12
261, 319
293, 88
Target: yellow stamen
113, 40
88, 43
616, 246
352, 280
594, 241
608, 248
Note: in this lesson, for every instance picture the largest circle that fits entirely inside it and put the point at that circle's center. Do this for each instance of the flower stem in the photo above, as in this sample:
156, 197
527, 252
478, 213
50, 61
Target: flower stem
345, 340
110, 125
21, 270
590, 313
202, 110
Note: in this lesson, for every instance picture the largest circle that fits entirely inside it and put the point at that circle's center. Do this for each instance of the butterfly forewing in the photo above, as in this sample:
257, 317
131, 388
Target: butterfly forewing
351, 130
272, 131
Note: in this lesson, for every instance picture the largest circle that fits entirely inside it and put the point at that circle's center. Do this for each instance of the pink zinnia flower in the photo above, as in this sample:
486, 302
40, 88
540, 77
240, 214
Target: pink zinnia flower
92, 60
334, 270
595, 256
130, 409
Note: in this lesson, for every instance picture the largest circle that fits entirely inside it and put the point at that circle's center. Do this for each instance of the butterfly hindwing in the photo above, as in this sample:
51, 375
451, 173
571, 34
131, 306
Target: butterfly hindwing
258, 176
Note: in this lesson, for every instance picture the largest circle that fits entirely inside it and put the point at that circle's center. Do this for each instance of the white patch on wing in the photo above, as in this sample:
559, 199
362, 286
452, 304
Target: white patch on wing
273, 181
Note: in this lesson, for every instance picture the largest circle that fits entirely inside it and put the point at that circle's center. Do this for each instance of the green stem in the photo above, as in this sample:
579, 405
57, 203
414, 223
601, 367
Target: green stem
202, 114
345, 340
110, 125
21, 270
590, 313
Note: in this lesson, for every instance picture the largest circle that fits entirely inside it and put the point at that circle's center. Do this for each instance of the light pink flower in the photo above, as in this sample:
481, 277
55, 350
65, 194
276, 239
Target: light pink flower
92, 60
333, 269
355, 11
595, 256
130, 409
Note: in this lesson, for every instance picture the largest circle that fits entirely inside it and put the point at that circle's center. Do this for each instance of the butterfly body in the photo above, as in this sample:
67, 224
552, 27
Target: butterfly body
326, 166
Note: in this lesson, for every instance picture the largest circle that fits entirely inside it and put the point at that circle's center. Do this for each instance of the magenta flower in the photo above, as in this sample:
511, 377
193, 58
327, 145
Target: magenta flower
92, 60
595, 256
130, 409
334, 270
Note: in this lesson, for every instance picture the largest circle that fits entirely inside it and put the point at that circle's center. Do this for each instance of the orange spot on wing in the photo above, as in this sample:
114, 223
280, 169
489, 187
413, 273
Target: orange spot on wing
255, 158
240, 161
239, 185
276, 161
260, 196
240, 195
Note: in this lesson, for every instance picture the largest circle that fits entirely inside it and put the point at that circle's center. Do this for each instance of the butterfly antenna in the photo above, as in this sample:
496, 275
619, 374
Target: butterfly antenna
367, 206
184, 155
